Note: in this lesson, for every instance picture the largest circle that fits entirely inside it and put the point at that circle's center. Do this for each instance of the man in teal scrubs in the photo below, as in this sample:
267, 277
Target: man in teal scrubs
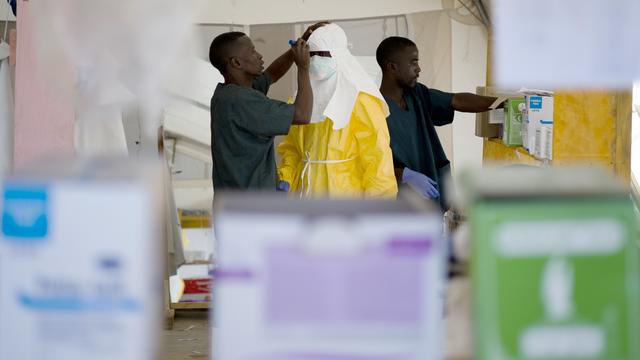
418, 157
244, 121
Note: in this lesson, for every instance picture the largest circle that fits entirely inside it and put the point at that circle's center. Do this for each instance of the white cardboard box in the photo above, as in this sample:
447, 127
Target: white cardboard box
539, 114
496, 116
79, 269
316, 279
552, 40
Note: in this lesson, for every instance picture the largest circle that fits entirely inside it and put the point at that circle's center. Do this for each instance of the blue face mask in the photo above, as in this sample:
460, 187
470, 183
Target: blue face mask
322, 67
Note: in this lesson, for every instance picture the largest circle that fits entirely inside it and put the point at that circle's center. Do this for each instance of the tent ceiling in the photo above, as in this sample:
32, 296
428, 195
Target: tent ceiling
254, 12
468, 11
487, 4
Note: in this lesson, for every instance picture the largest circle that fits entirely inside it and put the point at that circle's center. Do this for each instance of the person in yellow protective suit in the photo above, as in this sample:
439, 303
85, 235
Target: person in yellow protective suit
345, 151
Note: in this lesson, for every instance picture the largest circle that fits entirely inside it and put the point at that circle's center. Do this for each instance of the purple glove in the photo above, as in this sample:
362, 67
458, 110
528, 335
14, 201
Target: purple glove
421, 183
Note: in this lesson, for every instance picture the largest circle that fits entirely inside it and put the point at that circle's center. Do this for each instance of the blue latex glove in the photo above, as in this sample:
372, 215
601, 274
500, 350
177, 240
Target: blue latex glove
283, 186
421, 183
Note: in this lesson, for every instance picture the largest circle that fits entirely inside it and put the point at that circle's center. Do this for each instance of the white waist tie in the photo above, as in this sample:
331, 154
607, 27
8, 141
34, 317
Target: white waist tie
306, 171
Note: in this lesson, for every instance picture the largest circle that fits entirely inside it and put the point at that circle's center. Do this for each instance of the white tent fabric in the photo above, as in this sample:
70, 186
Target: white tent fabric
6, 110
371, 67
195, 84
186, 120
189, 122
98, 129
290, 11
100, 132
5, 12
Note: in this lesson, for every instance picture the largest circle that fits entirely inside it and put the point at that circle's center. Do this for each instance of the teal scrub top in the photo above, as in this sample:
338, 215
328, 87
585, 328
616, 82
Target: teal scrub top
244, 123
414, 141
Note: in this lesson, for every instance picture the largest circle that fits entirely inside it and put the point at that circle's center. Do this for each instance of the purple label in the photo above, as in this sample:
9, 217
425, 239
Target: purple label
233, 274
409, 246
368, 288
328, 356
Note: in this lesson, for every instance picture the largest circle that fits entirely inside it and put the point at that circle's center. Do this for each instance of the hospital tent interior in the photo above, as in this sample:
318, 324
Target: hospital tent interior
92, 79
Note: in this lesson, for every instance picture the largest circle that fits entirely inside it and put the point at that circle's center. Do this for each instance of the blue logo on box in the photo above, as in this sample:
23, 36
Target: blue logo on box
24, 213
535, 102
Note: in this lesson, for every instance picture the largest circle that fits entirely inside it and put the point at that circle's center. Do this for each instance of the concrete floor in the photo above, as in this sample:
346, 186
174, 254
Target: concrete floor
189, 338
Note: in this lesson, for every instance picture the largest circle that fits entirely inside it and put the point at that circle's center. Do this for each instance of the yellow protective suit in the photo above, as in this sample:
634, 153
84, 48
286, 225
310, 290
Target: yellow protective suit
359, 156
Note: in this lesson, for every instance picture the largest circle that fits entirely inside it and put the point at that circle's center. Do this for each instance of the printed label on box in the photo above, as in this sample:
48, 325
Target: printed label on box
25, 213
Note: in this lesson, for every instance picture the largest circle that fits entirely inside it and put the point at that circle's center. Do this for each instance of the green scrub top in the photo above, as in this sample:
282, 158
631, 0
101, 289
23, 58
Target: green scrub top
414, 141
244, 123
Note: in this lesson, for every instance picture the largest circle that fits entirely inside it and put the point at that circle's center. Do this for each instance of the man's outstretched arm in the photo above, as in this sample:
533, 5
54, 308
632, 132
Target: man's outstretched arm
472, 103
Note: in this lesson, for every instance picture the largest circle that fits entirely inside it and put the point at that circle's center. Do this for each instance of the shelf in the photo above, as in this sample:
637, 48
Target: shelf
591, 128
190, 305
194, 221
496, 152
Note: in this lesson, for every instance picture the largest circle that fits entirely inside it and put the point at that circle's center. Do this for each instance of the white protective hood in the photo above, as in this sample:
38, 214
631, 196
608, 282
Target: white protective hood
348, 81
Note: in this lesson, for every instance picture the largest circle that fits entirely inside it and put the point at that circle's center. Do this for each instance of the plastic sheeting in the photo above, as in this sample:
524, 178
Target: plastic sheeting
100, 132
6, 110
44, 111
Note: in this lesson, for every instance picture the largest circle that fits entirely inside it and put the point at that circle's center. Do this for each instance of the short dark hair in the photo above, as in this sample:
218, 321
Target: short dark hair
221, 49
389, 47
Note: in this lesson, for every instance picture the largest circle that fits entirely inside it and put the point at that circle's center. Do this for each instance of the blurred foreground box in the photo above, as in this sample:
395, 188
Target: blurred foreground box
80, 261
554, 264
326, 279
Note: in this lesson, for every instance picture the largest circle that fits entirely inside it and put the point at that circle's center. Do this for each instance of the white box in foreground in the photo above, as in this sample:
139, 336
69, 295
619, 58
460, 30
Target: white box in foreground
80, 276
311, 280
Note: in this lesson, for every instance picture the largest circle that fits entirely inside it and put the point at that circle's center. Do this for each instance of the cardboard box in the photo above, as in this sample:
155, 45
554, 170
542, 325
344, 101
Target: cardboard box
539, 113
197, 282
490, 124
496, 116
484, 126
79, 261
558, 245
544, 139
317, 279
197, 290
512, 128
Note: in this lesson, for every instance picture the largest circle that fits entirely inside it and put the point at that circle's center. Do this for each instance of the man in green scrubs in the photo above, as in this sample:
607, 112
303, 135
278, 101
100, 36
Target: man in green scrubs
415, 110
244, 121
